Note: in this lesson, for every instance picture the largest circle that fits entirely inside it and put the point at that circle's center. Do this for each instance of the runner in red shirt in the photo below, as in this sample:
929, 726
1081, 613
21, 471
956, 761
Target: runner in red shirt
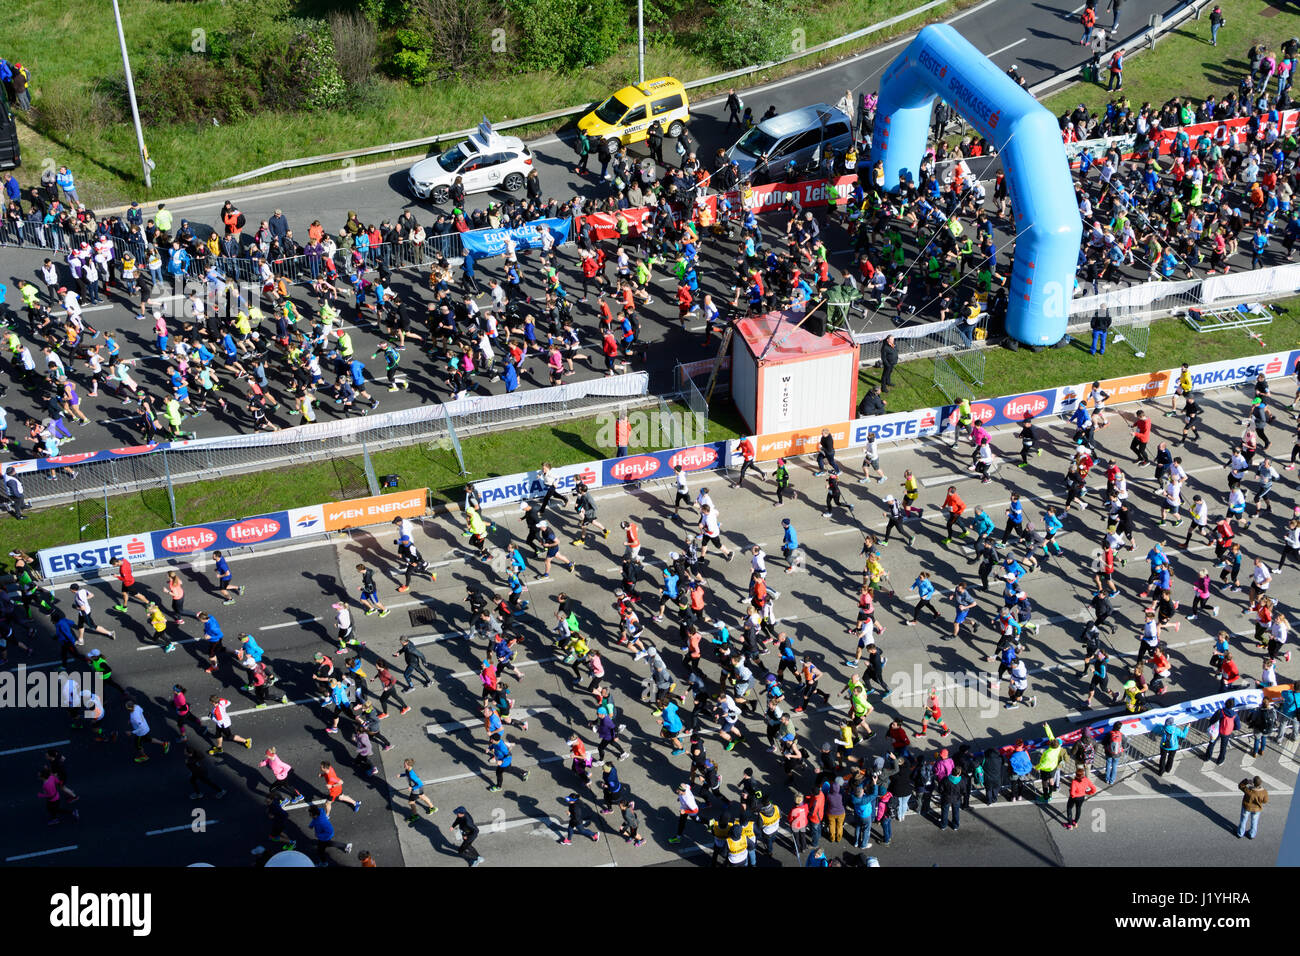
127, 578
955, 508
1141, 435
334, 788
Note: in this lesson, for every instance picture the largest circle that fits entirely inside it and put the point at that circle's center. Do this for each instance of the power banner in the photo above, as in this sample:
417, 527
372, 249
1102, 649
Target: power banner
802, 441
483, 243
357, 512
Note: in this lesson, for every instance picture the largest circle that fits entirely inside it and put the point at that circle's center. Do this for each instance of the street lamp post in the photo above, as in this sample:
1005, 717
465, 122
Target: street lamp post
640, 41
146, 164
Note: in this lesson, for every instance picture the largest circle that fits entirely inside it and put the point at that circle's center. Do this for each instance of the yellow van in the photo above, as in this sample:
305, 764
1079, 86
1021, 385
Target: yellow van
625, 116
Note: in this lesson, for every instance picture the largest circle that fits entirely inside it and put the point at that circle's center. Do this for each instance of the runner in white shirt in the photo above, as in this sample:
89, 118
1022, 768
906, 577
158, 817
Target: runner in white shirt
1099, 396
220, 715
1260, 579
1173, 501
871, 459
72, 302
1278, 632
711, 533
758, 562
703, 499
81, 600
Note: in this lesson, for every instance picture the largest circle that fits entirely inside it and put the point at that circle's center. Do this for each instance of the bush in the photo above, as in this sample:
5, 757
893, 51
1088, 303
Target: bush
564, 35
459, 33
354, 46
412, 60
320, 84
746, 32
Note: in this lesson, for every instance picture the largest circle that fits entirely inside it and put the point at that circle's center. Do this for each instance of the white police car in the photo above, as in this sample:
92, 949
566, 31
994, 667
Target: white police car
485, 161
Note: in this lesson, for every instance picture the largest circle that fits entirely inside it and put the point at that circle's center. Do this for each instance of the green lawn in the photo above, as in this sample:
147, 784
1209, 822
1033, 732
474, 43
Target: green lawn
1008, 373
502, 452
1185, 64
68, 49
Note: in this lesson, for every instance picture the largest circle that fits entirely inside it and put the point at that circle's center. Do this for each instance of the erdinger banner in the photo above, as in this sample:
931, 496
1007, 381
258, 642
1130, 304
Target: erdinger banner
661, 464
482, 243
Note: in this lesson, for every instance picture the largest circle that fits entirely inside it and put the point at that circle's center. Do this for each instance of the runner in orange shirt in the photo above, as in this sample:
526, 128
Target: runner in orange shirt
955, 508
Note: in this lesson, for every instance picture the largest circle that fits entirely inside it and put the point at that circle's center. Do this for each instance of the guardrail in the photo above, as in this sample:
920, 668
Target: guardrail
570, 110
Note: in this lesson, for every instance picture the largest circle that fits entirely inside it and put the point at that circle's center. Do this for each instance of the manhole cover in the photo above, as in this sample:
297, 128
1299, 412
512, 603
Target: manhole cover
421, 615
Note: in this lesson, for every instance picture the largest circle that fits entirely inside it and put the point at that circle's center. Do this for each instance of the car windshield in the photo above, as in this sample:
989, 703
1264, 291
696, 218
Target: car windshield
451, 160
756, 142
611, 111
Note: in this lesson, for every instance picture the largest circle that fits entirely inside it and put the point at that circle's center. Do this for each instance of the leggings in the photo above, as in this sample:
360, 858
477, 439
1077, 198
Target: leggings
1073, 807
920, 604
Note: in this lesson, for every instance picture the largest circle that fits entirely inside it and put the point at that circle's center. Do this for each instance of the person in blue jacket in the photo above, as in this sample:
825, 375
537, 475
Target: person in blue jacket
1015, 519
1171, 737
924, 590
1052, 524
789, 539
510, 376
499, 751
672, 727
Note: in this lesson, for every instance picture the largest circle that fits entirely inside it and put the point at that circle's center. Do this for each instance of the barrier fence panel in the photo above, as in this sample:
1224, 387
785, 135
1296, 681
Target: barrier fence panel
692, 395
972, 362
1136, 337
949, 382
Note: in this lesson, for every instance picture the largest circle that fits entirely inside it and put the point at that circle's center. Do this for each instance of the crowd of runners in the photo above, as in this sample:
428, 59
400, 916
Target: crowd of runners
720, 679
715, 680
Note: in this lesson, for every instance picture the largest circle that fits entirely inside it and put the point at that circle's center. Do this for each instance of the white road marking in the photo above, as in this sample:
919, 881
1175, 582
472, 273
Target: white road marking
23, 750
1006, 48
28, 856
436, 638
488, 770
436, 730
183, 826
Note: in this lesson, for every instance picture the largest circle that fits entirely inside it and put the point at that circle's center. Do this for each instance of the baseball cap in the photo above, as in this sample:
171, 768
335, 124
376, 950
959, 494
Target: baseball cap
459, 811
673, 555
890, 498
94, 653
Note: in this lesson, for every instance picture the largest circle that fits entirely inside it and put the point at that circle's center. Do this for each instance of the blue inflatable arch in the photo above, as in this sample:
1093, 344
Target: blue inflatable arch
942, 63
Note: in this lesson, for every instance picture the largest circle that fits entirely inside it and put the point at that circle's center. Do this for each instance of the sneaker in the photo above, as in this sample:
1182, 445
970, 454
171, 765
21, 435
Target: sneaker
141, 759
248, 743
404, 711
678, 753
371, 610
167, 747
384, 612
402, 589
850, 663
566, 842
228, 601
674, 839
171, 646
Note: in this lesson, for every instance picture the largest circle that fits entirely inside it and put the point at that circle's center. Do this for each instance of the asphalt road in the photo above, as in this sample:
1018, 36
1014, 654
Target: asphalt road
1037, 37
1171, 821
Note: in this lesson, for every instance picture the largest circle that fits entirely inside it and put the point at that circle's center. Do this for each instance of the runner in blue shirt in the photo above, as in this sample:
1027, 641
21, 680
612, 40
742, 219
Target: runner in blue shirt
499, 751
212, 635
415, 792
669, 592
223, 579
324, 833
1015, 519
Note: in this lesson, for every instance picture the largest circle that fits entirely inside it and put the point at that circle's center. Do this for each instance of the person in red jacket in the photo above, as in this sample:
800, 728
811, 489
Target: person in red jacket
1141, 435
685, 301
816, 804
1228, 673
1080, 789
746, 449
955, 508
